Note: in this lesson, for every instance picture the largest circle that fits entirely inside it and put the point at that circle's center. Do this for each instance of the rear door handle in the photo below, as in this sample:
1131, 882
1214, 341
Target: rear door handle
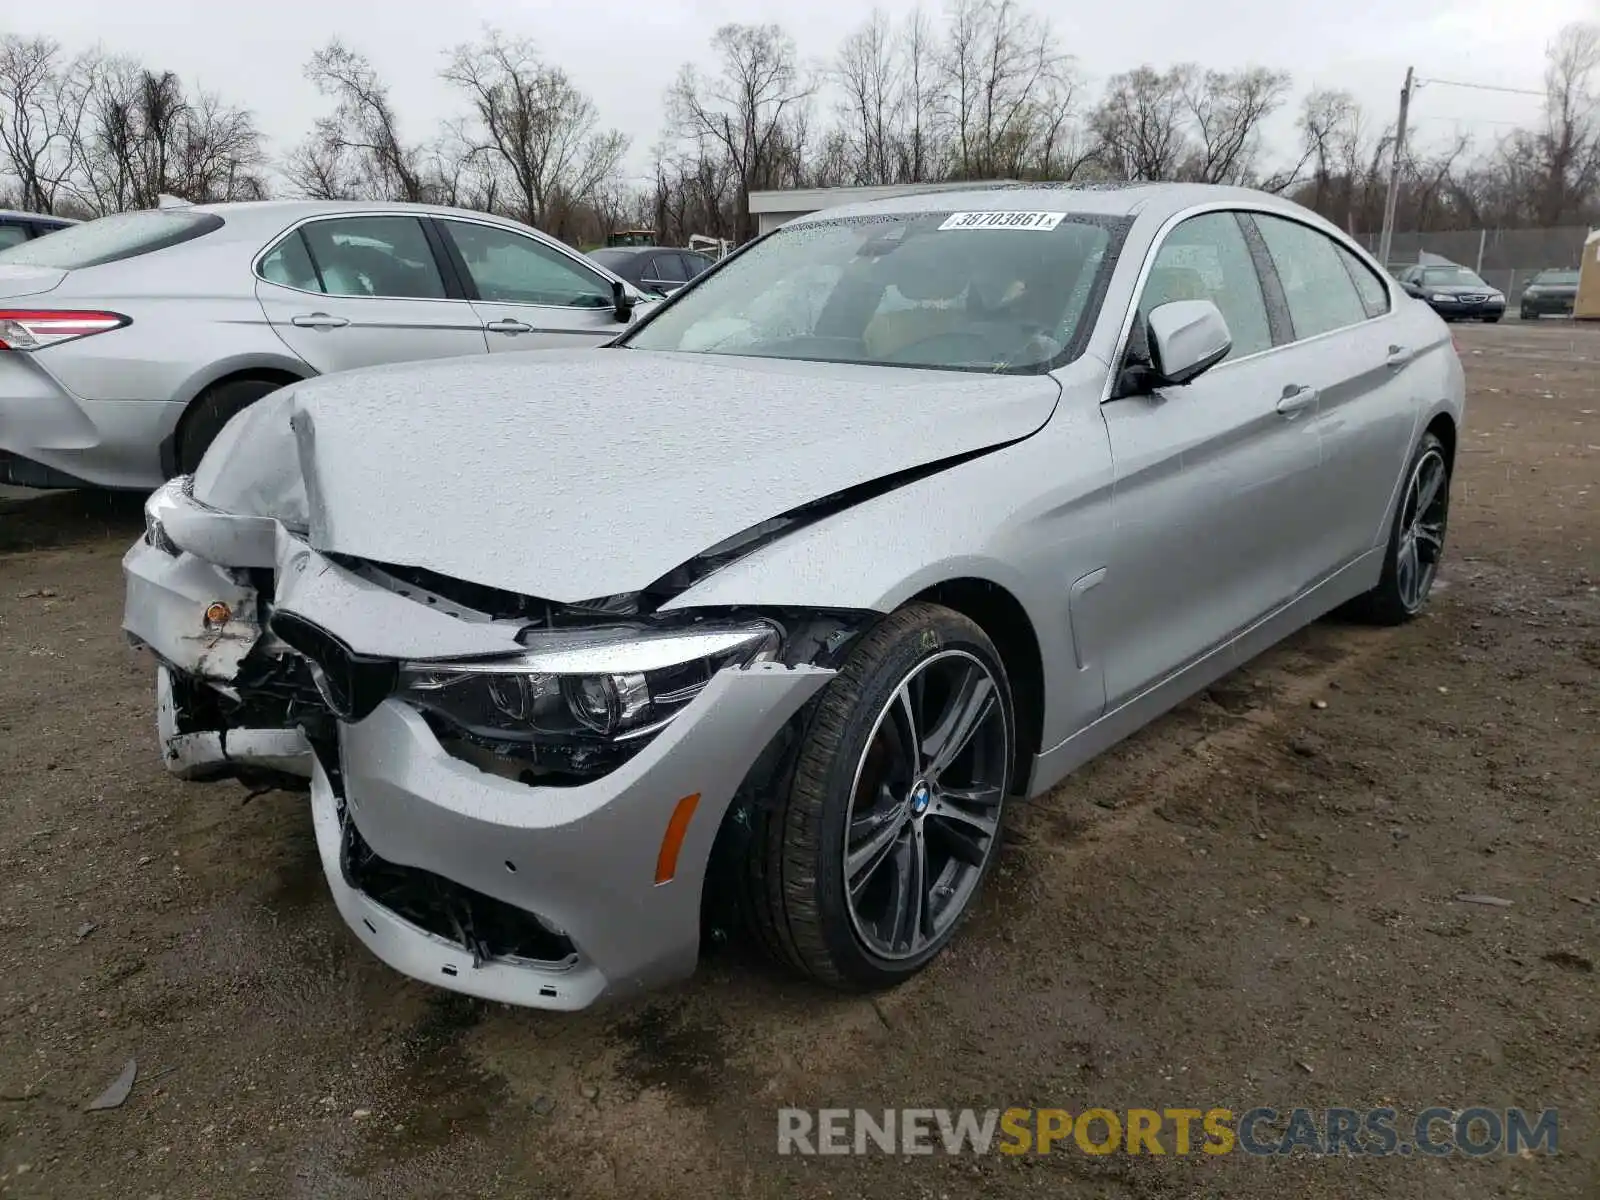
508, 325
1399, 356
1295, 398
318, 320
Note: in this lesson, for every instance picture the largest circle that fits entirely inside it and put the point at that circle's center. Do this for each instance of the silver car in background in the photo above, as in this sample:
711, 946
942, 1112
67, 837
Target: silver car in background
18, 227
128, 342
904, 511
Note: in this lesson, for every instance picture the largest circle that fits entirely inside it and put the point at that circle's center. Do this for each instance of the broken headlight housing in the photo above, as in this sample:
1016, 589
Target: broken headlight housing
613, 685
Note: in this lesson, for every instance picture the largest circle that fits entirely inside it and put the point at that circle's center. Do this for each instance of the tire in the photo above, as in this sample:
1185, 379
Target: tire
796, 871
1528, 315
1396, 599
213, 409
1494, 320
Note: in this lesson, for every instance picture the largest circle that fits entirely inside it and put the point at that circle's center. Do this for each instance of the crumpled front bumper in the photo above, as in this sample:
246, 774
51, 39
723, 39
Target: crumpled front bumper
584, 859
166, 600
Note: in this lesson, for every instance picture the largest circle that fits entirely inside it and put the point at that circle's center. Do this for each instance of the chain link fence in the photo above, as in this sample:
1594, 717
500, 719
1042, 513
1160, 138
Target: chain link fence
1505, 258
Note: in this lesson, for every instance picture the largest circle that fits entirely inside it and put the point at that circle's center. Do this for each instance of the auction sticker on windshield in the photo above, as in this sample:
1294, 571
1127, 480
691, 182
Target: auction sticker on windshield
1003, 220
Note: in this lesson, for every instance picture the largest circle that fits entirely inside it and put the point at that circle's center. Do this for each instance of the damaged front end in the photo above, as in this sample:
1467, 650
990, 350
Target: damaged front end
522, 796
232, 701
513, 797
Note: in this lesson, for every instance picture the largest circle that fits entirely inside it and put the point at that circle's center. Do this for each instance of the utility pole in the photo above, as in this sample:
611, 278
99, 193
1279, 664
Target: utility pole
1387, 237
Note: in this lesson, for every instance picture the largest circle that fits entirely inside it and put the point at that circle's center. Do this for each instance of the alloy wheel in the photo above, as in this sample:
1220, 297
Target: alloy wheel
925, 805
1422, 525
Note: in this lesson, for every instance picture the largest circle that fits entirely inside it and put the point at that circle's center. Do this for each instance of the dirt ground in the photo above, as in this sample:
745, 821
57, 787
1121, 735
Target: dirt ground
1251, 902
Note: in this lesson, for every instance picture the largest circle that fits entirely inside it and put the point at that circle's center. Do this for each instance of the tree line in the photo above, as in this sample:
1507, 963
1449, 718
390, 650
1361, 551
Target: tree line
985, 90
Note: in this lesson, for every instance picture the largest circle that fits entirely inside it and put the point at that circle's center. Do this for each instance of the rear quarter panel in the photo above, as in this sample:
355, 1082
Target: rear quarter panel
195, 318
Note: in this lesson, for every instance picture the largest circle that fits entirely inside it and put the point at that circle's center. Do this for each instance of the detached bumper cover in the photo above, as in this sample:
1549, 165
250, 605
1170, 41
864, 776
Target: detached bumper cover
164, 610
582, 858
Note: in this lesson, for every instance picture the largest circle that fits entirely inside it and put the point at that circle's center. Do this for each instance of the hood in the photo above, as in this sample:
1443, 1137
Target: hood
574, 475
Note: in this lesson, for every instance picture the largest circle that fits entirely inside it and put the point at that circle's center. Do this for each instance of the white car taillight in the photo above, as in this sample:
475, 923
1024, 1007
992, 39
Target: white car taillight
36, 328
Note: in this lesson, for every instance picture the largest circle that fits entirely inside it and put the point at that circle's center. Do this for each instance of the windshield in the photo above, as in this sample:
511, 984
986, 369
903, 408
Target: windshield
1557, 277
994, 291
112, 239
1451, 277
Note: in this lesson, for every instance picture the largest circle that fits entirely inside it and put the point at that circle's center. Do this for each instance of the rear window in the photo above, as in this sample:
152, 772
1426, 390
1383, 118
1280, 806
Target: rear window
612, 259
112, 239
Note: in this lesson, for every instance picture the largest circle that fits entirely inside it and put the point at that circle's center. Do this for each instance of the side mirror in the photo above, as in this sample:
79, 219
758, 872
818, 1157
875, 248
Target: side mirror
621, 301
1187, 338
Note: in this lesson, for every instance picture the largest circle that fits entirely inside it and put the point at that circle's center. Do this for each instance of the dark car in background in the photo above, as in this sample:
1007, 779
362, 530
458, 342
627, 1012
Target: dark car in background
1550, 293
18, 227
1454, 292
659, 269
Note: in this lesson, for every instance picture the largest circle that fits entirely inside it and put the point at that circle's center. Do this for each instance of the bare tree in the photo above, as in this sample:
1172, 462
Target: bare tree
747, 112
1556, 167
42, 105
922, 153
359, 146
867, 73
1004, 70
534, 127
142, 135
1226, 110
1139, 124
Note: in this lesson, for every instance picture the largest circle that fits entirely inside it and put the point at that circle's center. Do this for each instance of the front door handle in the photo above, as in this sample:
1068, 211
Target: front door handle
508, 325
318, 320
1295, 398
1399, 356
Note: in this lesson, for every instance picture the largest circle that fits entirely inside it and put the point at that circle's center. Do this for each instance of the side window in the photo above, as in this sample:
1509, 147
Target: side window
12, 235
1207, 258
1320, 292
696, 263
289, 263
668, 268
374, 256
1374, 295
509, 268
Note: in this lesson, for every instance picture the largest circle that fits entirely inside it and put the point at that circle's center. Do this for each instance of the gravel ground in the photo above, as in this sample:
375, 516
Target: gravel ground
1251, 902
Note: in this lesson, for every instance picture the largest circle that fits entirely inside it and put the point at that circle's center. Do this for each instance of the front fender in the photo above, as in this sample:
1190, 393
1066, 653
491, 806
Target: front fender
1032, 518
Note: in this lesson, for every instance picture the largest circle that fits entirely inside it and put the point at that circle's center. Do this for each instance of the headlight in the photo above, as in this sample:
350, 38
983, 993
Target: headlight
618, 684
1441, 298
162, 501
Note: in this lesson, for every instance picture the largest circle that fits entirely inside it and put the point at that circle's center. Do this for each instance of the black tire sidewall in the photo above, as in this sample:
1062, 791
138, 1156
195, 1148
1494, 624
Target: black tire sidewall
877, 676
212, 410
1390, 584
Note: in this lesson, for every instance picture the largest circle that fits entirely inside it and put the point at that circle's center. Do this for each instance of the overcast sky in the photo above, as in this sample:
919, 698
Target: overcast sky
626, 52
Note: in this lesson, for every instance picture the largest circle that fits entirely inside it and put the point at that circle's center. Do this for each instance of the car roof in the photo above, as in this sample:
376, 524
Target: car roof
636, 251
254, 216
15, 214
1107, 199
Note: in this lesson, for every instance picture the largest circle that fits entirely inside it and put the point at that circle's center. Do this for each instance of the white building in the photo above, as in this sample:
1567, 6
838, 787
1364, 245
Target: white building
772, 209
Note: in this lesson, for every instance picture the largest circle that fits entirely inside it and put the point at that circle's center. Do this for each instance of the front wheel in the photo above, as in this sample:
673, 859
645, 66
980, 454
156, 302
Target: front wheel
1527, 314
892, 818
1416, 540
1494, 320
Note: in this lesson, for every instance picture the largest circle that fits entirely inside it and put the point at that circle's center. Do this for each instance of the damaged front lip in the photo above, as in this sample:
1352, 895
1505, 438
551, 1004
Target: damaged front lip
166, 601
584, 859
204, 753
